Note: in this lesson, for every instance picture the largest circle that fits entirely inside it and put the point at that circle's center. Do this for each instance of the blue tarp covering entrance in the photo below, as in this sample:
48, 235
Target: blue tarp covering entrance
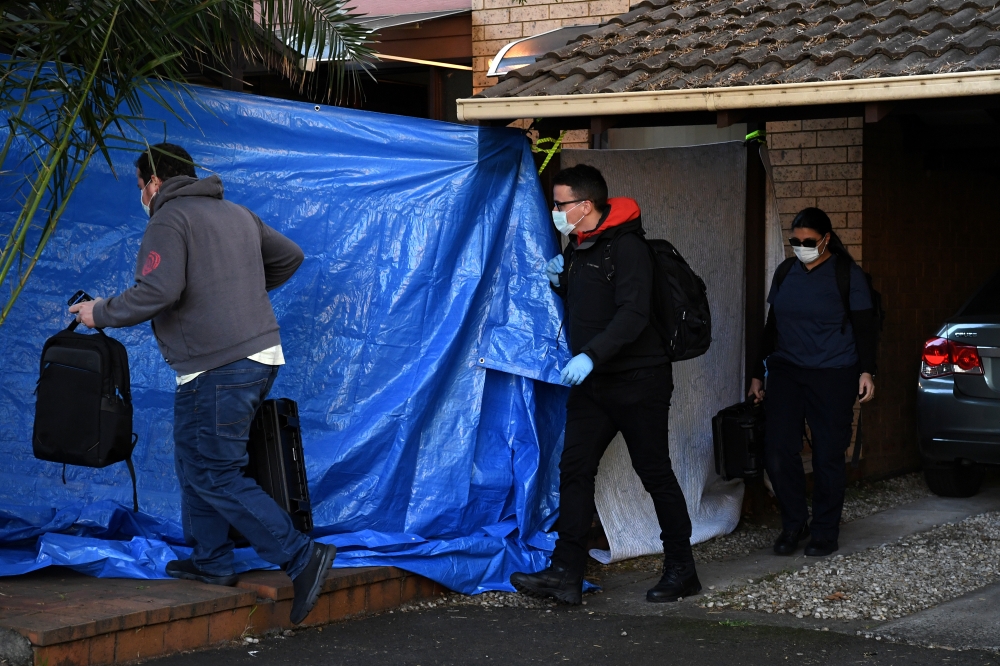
419, 334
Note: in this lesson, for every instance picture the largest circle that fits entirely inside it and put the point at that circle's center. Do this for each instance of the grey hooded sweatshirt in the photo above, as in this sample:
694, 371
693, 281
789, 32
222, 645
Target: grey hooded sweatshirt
202, 276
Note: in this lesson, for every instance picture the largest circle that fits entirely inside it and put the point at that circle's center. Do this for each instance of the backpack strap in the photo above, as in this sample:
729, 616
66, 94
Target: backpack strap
607, 262
843, 271
781, 272
856, 456
131, 473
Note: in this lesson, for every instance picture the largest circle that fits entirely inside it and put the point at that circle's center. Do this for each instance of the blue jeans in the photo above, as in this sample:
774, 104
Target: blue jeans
212, 416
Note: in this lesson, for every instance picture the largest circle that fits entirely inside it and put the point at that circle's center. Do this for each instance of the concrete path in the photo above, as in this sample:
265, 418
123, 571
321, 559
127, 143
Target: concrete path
625, 593
969, 622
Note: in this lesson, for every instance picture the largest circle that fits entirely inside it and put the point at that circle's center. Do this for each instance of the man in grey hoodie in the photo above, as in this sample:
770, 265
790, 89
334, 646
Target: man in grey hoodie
202, 276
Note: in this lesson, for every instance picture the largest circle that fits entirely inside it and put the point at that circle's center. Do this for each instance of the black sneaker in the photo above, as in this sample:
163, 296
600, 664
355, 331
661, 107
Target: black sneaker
556, 582
188, 571
679, 580
817, 548
309, 584
788, 542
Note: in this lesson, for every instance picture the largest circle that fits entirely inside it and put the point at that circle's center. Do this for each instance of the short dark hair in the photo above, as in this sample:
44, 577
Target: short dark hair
165, 160
586, 182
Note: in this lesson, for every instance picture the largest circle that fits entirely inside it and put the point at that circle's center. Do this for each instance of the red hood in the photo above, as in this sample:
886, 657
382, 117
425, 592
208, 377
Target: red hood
621, 210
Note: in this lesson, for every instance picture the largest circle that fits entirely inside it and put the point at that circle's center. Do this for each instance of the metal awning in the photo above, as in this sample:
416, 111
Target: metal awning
375, 23
524, 51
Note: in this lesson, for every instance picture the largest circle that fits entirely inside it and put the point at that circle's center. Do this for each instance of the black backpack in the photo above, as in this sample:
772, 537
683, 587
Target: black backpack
679, 311
83, 410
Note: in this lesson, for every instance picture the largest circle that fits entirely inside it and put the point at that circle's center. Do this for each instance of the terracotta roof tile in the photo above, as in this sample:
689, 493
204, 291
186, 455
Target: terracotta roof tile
678, 44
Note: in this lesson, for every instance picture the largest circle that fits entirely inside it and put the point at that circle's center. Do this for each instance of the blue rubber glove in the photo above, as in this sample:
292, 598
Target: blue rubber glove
576, 370
554, 268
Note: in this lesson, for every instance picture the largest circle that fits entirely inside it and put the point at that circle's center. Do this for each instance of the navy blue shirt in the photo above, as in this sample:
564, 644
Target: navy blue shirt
810, 313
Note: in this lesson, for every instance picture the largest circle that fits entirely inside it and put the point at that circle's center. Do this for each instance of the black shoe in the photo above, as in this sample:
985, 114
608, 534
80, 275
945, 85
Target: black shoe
788, 542
309, 583
679, 580
817, 548
188, 571
557, 582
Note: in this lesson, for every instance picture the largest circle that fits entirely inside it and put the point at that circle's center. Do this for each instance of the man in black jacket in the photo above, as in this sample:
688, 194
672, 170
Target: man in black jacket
621, 378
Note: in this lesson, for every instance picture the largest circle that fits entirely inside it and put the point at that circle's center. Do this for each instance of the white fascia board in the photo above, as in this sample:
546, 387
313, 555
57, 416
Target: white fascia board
855, 91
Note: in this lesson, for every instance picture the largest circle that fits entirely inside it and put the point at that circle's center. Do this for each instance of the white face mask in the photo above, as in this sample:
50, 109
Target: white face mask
561, 223
806, 255
145, 206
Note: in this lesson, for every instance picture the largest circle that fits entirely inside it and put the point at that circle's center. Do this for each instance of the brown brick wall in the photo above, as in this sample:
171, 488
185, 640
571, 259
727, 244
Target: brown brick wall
497, 22
819, 163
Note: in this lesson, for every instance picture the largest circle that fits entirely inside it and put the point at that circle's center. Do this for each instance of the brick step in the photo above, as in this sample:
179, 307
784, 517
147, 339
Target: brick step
69, 618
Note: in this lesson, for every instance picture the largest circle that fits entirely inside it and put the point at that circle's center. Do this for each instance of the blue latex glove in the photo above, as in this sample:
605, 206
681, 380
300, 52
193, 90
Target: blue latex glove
576, 370
554, 268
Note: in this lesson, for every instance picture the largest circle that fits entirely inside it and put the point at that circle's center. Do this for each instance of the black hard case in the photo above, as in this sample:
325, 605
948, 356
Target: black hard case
738, 433
276, 461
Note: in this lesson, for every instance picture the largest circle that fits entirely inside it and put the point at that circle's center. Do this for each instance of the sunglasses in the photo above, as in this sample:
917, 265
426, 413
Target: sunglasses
809, 242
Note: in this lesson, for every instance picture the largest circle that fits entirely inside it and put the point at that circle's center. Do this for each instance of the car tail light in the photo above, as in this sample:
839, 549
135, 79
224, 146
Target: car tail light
943, 357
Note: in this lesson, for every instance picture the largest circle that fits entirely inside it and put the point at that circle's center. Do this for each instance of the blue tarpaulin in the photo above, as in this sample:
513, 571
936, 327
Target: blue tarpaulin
422, 344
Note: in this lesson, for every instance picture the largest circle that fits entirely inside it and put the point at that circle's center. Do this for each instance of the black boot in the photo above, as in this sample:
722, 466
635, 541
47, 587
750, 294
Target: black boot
679, 580
787, 542
557, 582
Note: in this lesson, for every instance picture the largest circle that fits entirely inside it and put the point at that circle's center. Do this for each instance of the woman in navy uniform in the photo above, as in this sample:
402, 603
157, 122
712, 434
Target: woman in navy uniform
819, 350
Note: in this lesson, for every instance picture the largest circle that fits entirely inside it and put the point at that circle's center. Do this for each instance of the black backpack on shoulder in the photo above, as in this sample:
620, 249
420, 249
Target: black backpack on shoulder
679, 310
83, 410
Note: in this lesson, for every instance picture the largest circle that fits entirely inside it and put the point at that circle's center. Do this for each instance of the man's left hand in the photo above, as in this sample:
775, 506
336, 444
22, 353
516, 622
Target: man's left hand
85, 312
576, 370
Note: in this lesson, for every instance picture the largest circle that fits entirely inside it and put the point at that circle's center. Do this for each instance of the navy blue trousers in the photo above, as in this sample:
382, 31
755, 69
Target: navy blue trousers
825, 399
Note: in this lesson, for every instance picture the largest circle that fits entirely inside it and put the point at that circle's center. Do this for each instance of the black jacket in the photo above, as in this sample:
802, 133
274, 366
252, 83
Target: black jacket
608, 320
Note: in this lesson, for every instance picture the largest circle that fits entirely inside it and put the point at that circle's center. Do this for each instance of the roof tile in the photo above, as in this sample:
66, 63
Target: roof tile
664, 78
595, 84
935, 43
679, 44
915, 8
626, 82
890, 26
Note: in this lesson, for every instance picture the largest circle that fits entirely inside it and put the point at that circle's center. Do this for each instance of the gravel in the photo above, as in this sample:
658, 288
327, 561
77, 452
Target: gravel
881, 583
862, 499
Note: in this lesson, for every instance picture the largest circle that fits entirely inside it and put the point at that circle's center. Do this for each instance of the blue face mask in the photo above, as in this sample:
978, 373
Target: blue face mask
561, 223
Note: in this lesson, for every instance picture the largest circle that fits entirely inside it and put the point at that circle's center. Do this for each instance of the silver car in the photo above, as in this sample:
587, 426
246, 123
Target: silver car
958, 399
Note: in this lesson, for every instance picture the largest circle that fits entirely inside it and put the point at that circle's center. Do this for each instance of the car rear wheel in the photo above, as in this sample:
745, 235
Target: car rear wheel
954, 479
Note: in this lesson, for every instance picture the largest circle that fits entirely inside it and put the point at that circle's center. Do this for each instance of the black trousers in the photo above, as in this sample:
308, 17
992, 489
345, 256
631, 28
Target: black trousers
825, 398
635, 403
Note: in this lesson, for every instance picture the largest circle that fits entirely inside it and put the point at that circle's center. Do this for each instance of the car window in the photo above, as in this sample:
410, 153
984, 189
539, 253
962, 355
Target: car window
986, 302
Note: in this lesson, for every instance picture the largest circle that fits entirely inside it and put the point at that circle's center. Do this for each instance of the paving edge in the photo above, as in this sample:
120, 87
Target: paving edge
265, 615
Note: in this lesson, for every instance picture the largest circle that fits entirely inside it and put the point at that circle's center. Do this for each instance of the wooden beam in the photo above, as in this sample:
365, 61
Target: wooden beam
725, 119
756, 254
599, 125
876, 111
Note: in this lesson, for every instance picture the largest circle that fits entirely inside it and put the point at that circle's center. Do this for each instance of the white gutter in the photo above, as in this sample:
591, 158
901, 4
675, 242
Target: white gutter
888, 89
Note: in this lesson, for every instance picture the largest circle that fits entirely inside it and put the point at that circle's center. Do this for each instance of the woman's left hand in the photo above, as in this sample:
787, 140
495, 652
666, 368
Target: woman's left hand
866, 387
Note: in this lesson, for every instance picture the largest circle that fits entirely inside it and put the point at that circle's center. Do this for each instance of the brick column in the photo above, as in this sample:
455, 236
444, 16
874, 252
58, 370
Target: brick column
497, 22
818, 163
